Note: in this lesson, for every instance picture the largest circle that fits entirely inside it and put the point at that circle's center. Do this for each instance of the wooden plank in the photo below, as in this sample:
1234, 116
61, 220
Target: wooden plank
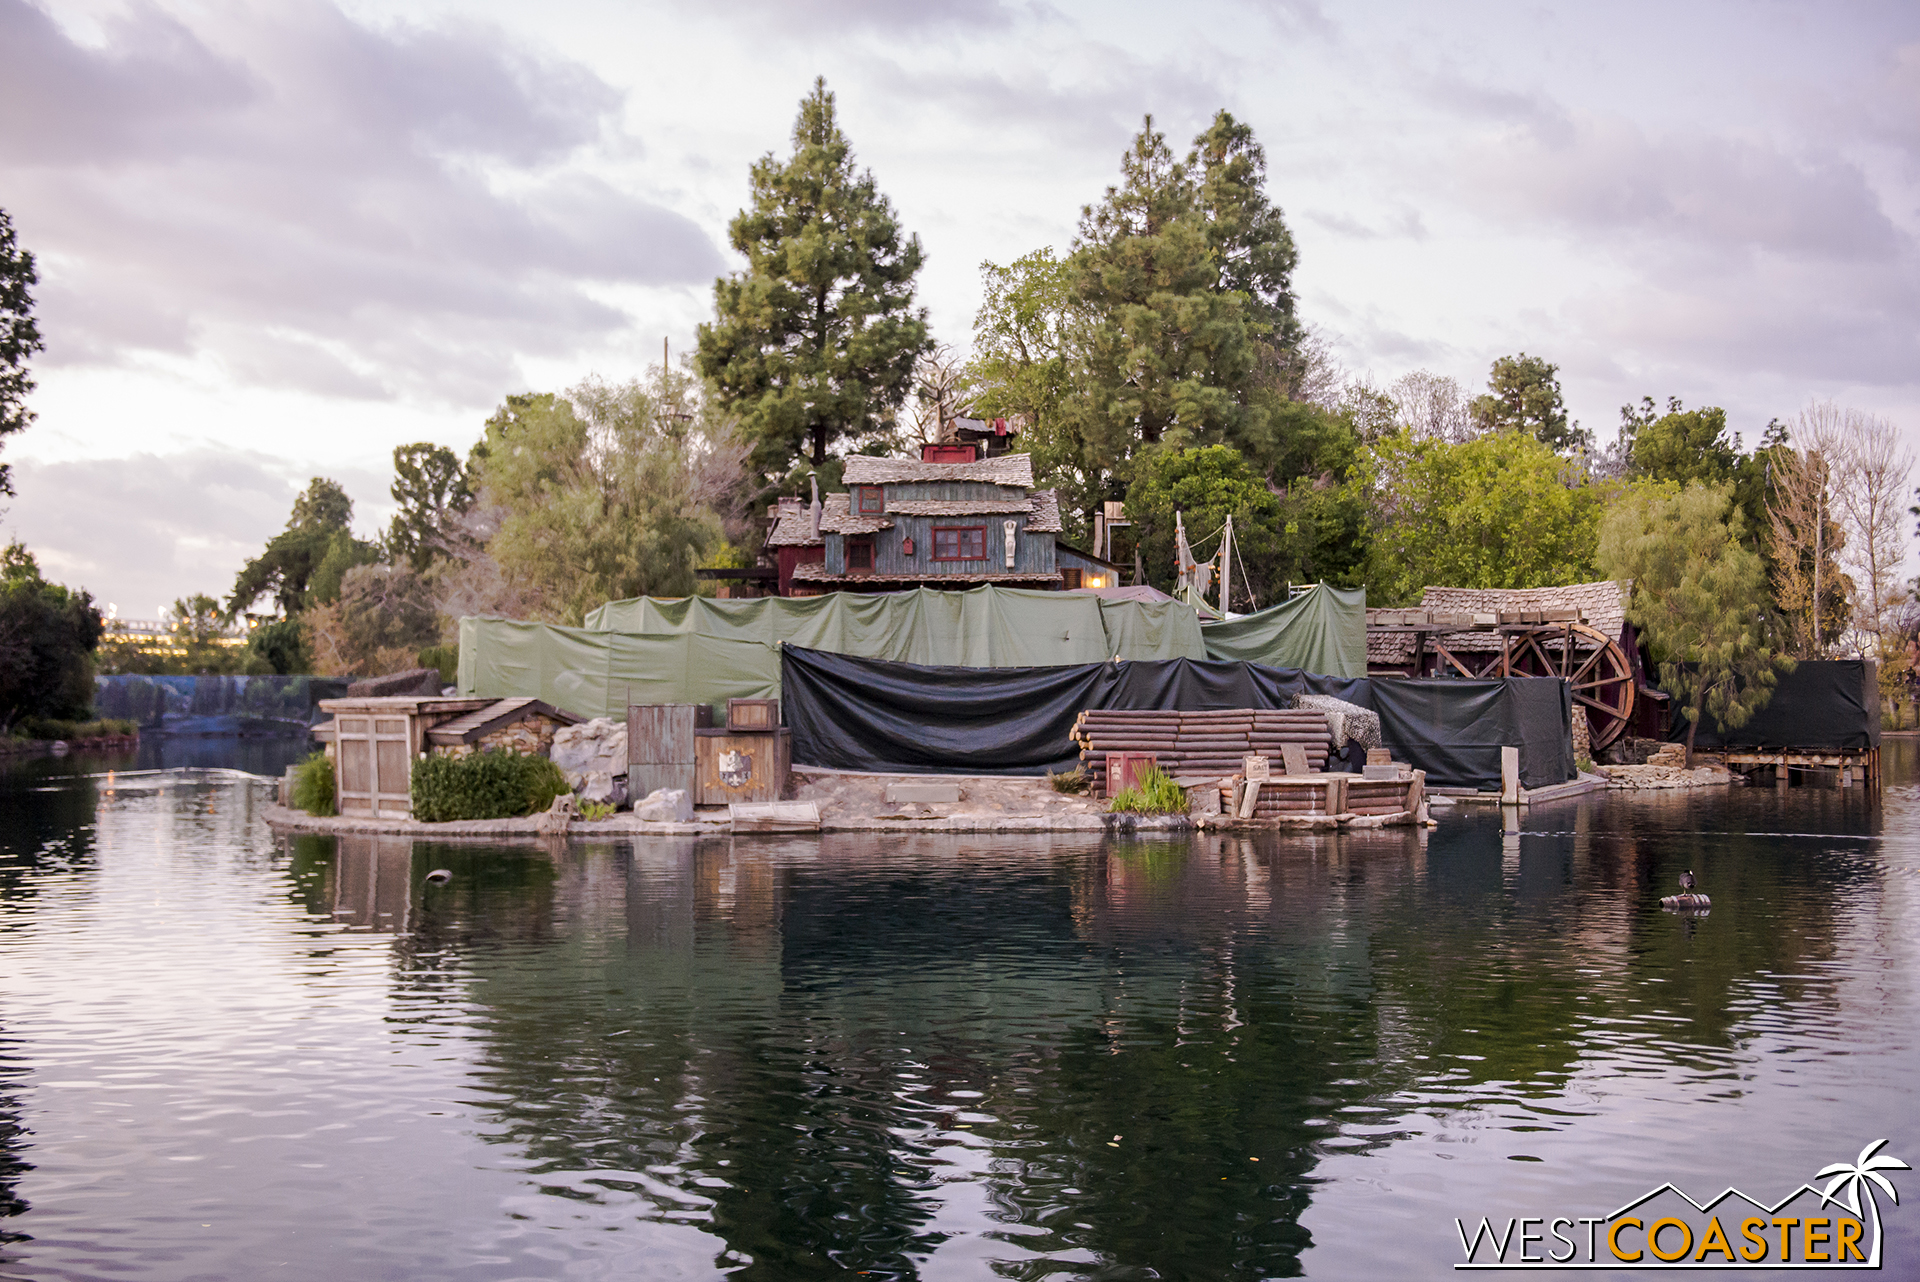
1294, 757
774, 816
1509, 776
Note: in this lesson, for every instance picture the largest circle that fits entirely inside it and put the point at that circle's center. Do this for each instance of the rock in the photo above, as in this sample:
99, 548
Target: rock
596, 786
665, 805
596, 746
414, 681
924, 793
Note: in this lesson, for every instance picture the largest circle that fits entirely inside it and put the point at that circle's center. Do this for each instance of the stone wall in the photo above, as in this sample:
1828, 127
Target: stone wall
531, 736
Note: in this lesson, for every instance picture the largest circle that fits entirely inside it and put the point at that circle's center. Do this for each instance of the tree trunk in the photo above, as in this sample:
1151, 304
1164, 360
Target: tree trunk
819, 443
1693, 724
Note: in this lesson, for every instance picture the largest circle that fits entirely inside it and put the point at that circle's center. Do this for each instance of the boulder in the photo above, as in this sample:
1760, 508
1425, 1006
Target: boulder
598, 746
665, 805
414, 681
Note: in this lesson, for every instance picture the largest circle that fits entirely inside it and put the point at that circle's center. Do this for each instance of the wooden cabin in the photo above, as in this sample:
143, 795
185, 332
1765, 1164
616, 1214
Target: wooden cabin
950, 518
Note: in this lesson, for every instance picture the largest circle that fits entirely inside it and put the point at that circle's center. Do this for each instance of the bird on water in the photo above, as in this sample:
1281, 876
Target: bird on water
1686, 880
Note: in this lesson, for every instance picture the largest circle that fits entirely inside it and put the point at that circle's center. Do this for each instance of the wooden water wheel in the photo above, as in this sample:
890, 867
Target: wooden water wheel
1587, 659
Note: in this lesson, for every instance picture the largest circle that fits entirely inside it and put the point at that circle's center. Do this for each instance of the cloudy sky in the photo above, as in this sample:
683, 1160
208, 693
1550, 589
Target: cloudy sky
279, 238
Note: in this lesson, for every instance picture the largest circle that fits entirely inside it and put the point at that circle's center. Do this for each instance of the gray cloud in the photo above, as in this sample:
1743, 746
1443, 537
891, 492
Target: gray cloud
322, 205
1608, 175
141, 531
826, 19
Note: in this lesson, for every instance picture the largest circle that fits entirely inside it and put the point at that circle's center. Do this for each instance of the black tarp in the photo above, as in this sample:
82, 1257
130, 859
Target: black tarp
1827, 705
848, 713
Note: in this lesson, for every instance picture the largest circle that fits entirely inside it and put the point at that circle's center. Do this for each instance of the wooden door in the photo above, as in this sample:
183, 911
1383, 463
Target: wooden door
373, 756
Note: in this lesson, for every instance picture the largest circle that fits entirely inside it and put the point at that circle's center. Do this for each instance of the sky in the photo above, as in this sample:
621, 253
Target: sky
278, 239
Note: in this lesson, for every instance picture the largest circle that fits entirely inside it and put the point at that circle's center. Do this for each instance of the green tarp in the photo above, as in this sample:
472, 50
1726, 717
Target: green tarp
702, 650
597, 674
984, 627
1322, 630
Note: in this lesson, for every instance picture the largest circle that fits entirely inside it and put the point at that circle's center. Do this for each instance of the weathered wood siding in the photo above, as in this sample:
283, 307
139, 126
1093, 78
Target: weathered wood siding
1033, 553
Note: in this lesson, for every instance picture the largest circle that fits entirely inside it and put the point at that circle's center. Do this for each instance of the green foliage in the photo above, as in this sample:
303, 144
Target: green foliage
592, 810
1699, 599
48, 635
604, 494
1498, 511
484, 785
1153, 792
1074, 781
1173, 318
432, 487
281, 646
1524, 396
305, 562
1205, 485
445, 658
33, 727
313, 785
816, 340
1686, 446
19, 337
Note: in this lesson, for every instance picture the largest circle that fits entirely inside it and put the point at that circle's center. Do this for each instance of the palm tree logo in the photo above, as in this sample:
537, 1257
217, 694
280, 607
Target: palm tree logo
1861, 1175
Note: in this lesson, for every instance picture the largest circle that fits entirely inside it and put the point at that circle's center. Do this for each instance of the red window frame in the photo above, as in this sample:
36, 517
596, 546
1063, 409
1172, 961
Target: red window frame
871, 501
954, 537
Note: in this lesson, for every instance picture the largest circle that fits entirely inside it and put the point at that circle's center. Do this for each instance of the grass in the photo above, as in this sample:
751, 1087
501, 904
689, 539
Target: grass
1153, 792
596, 810
1073, 781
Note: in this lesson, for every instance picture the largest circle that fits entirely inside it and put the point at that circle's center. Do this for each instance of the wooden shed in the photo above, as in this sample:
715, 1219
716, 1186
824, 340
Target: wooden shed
374, 741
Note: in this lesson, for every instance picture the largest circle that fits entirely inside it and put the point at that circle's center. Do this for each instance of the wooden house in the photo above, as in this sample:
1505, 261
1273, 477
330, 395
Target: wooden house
950, 518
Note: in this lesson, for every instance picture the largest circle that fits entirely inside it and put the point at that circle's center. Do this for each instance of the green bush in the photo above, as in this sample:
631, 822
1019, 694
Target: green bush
486, 785
444, 657
54, 728
1153, 793
313, 785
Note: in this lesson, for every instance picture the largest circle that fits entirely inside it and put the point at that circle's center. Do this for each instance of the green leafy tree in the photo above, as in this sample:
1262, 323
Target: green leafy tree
304, 563
816, 340
605, 493
1523, 394
280, 647
430, 484
198, 629
1205, 486
48, 635
19, 337
1699, 599
1498, 511
1252, 249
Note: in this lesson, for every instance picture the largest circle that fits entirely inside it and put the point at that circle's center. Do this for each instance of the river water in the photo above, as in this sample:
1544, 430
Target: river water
226, 1055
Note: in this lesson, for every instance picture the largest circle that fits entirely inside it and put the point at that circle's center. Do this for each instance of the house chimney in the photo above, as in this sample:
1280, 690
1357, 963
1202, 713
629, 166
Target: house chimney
814, 481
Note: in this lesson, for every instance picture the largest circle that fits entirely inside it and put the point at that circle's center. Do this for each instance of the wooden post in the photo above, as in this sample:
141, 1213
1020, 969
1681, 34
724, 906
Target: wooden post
1250, 798
1509, 776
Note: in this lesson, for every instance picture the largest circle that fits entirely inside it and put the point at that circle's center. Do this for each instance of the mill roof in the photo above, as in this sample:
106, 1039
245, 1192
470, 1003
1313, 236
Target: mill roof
1007, 469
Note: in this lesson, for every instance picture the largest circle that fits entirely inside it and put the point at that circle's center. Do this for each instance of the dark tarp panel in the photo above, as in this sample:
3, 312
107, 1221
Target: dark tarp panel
1829, 705
868, 714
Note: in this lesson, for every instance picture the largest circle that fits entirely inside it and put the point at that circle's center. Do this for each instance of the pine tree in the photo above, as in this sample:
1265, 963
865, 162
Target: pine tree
816, 340
19, 337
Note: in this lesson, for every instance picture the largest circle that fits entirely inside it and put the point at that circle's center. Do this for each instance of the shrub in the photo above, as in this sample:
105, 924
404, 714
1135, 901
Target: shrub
1153, 793
54, 728
486, 785
596, 810
313, 785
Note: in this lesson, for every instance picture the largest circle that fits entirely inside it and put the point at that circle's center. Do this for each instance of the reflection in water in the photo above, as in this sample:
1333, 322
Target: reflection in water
779, 1058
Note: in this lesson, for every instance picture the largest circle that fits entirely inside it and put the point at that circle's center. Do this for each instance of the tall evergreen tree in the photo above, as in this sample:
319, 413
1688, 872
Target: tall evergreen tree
816, 340
305, 562
19, 337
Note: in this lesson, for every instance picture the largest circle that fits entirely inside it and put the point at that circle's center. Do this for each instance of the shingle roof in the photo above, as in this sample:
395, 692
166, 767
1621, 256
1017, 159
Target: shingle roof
815, 572
794, 527
837, 517
1008, 469
1601, 603
1046, 513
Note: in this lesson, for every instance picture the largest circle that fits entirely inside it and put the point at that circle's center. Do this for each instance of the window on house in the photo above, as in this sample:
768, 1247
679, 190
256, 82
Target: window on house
1069, 578
959, 542
872, 500
859, 556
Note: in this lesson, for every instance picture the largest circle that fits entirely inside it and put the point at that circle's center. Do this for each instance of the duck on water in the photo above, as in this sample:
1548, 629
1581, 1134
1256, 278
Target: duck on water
1687, 898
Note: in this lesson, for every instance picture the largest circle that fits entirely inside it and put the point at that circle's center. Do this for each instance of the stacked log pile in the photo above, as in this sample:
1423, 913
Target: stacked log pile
1199, 743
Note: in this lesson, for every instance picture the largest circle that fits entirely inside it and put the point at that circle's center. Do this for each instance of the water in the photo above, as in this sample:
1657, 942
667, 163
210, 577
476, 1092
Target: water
226, 1056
